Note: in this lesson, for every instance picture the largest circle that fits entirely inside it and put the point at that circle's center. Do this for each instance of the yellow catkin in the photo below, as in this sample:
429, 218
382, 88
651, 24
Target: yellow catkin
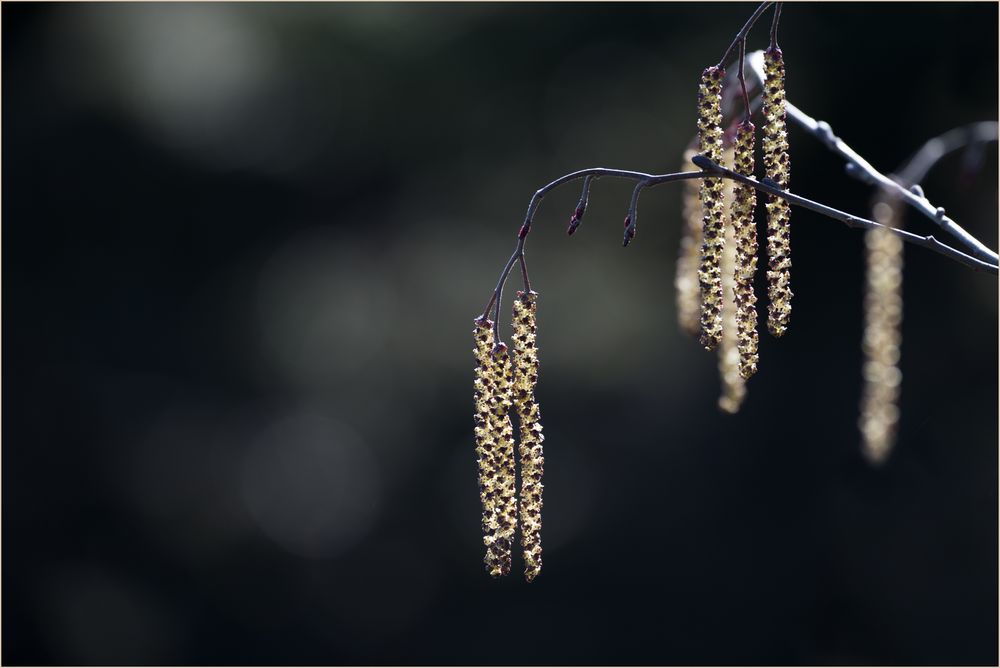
778, 210
745, 238
525, 353
711, 194
486, 446
733, 385
503, 430
882, 335
689, 255
494, 447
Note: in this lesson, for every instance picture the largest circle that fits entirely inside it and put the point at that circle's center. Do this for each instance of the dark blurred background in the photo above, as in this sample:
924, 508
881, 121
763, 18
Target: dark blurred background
243, 245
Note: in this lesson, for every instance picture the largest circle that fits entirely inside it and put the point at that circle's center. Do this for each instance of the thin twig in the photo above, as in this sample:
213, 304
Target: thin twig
774, 25
743, 80
709, 168
741, 35
861, 167
770, 187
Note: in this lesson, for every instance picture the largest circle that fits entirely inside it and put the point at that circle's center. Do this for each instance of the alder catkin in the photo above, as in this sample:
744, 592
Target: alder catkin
710, 193
484, 387
777, 169
494, 447
745, 239
882, 335
504, 434
733, 385
525, 353
689, 255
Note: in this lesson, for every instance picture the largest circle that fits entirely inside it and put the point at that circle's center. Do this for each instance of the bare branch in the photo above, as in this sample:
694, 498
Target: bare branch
861, 168
770, 187
708, 168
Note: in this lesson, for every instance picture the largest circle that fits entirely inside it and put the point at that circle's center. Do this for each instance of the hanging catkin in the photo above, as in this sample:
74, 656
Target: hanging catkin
745, 234
778, 210
882, 335
525, 352
689, 256
494, 447
504, 431
713, 239
733, 385
486, 447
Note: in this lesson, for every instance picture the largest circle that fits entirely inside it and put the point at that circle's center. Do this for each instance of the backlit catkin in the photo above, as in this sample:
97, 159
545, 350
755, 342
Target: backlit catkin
882, 336
710, 192
745, 238
686, 278
778, 210
494, 448
525, 353
733, 385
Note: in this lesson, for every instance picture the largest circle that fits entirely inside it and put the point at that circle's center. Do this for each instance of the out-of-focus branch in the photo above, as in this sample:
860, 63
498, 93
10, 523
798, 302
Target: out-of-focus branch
967, 136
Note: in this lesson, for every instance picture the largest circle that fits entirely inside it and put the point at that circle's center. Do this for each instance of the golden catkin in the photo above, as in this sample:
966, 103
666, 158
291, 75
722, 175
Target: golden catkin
689, 255
778, 211
503, 430
486, 446
494, 448
745, 238
525, 352
733, 385
882, 335
710, 193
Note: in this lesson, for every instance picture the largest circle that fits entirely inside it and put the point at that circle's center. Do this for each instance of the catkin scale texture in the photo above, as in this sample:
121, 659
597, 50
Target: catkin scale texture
733, 385
486, 446
776, 167
689, 255
711, 194
882, 336
494, 447
525, 355
504, 432
745, 239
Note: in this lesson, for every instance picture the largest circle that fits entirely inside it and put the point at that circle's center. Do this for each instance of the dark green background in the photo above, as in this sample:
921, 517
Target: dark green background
242, 249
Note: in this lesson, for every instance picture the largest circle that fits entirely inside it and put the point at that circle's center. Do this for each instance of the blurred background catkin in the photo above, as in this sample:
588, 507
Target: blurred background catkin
243, 246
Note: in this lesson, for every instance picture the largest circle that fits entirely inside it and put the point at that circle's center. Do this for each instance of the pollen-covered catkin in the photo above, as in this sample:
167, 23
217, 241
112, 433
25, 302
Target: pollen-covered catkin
713, 239
504, 435
745, 237
689, 255
776, 168
484, 388
882, 335
525, 353
733, 385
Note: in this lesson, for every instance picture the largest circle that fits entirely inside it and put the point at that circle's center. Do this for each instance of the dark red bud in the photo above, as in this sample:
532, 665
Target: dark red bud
523, 232
574, 222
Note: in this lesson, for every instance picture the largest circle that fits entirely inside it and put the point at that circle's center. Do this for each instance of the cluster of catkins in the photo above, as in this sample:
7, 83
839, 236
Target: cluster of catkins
505, 380
718, 261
